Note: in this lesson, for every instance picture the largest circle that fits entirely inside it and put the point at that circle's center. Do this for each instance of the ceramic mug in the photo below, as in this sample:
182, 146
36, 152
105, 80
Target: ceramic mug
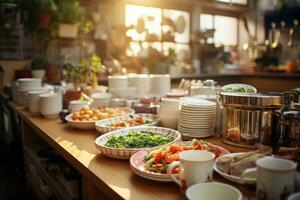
275, 178
196, 166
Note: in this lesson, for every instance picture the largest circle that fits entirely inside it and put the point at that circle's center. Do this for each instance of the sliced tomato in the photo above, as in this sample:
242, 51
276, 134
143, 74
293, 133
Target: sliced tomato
175, 170
172, 157
175, 148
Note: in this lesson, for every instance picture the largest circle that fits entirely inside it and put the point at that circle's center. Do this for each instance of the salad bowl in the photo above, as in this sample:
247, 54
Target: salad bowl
125, 153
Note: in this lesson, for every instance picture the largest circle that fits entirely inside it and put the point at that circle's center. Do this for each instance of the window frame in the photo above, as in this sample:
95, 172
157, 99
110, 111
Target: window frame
215, 12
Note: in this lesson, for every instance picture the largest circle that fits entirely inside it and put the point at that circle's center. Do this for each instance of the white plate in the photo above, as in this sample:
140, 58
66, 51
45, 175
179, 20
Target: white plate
233, 178
196, 102
137, 166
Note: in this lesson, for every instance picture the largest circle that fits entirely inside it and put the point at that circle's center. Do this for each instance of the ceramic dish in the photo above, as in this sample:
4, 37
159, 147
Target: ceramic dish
137, 165
236, 179
125, 153
103, 126
213, 191
82, 125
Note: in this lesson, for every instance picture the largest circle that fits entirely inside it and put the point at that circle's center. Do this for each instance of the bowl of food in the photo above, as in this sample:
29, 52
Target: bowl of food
86, 118
115, 123
239, 88
123, 143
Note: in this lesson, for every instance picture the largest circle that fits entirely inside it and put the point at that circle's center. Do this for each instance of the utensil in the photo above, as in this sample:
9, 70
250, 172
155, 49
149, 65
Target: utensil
275, 178
213, 191
196, 166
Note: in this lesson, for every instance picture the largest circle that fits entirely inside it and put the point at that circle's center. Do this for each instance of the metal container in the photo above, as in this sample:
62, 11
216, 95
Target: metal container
288, 129
247, 119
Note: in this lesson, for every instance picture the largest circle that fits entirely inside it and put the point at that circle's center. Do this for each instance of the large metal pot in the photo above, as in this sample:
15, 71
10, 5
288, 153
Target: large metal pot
247, 119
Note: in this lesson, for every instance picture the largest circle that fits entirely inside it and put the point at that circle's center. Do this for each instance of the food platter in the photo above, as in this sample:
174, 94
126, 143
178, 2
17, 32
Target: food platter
125, 153
105, 125
236, 179
137, 164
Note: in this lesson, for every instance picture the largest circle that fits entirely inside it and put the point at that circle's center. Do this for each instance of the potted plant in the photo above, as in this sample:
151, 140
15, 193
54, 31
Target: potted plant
38, 66
70, 16
47, 8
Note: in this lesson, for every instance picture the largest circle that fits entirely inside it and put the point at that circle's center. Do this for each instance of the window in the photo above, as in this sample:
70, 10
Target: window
149, 27
226, 28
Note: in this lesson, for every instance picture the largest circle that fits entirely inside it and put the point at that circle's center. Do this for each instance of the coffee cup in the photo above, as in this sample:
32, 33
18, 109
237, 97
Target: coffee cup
275, 178
195, 166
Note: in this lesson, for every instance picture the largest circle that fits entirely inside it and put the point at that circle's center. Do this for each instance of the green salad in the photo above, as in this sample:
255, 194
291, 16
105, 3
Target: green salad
139, 139
240, 89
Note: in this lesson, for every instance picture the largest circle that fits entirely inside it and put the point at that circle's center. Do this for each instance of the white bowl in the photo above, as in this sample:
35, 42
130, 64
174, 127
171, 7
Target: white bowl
117, 81
125, 153
123, 92
88, 125
141, 83
101, 95
76, 105
103, 126
160, 84
213, 191
168, 122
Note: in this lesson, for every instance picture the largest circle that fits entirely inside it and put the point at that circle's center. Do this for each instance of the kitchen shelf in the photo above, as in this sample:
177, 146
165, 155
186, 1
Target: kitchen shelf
57, 187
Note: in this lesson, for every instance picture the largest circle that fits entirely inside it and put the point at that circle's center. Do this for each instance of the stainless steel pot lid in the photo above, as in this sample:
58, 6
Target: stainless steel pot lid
257, 100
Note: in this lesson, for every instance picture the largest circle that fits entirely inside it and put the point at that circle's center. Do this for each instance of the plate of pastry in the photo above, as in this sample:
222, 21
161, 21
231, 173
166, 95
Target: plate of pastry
231, 166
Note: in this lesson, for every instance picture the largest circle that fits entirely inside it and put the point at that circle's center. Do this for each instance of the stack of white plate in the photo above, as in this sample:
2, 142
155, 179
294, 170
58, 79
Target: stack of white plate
196, 117
168, 112
50, 105
23, 86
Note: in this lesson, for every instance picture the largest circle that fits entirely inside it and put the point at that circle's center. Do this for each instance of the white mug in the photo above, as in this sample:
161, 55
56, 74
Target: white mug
275, 178
196, 166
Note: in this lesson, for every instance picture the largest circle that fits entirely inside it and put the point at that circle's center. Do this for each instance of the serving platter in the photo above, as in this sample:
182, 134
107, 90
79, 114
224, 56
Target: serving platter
125, 153
137, 165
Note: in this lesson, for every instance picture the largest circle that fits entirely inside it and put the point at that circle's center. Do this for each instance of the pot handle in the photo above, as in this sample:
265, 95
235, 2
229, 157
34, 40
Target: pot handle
170, 169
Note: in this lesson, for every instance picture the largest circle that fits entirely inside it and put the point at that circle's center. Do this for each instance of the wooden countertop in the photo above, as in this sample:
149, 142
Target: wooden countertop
111, 176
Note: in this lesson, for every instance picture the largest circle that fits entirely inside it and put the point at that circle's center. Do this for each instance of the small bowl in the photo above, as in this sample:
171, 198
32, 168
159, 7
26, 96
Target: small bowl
76, 105
213, 191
